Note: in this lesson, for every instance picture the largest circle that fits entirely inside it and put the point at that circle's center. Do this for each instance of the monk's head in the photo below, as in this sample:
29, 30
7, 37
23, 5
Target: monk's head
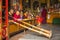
17, 13
11, 11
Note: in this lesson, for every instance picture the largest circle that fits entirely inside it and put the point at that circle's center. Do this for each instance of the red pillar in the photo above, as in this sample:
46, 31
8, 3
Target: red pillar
6, 20
6, 13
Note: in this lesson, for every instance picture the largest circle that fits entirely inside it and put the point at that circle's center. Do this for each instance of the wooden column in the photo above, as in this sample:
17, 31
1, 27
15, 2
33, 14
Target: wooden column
0, 19
48, 3
59, 0
39, 3
21, 6
32, 5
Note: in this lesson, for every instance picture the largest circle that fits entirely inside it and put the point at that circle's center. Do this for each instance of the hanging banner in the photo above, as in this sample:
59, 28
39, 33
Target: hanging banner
4, 32
5, 26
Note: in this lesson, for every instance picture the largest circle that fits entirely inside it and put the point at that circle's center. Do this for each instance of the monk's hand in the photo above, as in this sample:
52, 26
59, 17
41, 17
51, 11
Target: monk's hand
19, 19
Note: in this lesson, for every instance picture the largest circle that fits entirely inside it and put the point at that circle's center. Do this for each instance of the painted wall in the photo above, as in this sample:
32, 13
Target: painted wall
52, 16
